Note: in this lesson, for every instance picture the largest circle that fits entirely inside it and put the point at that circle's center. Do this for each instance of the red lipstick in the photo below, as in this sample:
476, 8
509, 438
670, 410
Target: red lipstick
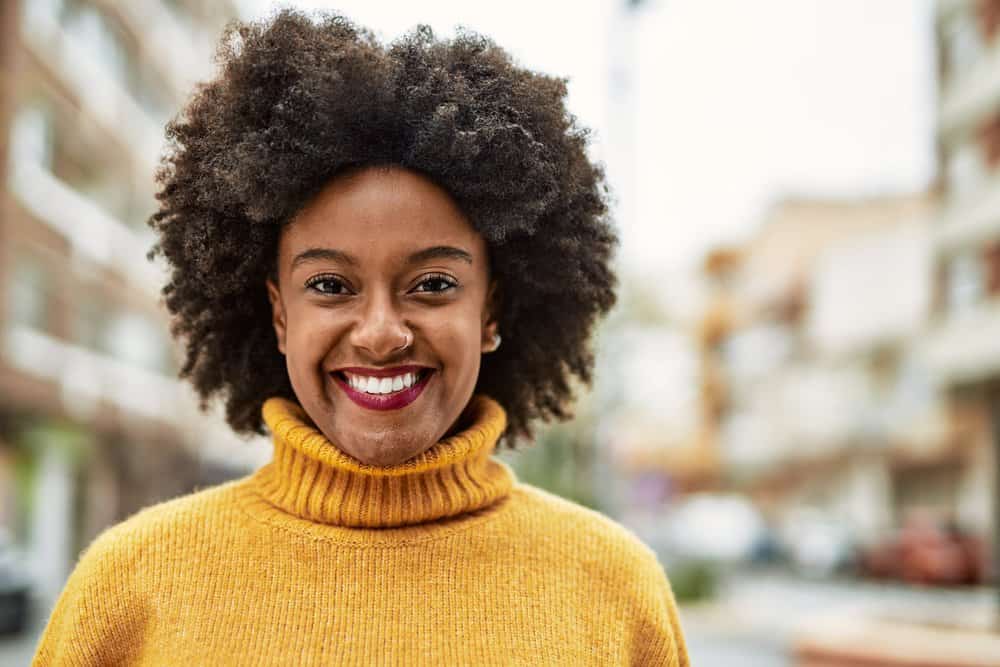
391, 401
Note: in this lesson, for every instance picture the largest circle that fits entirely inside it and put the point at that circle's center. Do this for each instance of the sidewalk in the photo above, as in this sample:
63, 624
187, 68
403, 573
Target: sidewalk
867, 642
780, 620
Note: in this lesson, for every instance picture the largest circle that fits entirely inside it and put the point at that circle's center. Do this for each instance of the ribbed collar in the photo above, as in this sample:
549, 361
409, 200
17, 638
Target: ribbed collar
312, 479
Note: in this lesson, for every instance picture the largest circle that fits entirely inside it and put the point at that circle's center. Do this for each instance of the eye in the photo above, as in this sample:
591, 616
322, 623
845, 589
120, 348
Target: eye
327, 284
435, 283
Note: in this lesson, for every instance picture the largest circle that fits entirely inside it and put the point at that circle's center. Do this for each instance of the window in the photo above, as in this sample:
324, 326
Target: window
135, 339
32, 137
89, 322
92, 29
964, 281
27, 298
111, 191
966, 172
119, 54
40, 12
963, 43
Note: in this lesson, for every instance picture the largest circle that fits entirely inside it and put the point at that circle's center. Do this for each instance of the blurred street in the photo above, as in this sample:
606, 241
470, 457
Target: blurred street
802, 368
755, 618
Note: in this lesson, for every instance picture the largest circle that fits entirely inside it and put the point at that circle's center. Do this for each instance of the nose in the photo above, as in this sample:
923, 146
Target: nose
380, 329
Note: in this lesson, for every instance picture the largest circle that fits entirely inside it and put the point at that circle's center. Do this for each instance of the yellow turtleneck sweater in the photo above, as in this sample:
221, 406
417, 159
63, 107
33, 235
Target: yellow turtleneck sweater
317, 559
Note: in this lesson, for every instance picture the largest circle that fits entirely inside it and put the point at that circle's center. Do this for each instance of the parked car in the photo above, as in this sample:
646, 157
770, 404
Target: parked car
930, 552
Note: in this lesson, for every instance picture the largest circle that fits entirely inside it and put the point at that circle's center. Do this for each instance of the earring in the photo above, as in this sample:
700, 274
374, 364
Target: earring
496, 343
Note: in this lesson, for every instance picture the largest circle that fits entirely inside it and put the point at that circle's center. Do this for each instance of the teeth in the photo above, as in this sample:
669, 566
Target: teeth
372, 385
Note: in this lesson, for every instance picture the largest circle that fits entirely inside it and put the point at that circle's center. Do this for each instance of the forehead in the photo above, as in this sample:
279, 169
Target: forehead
383, 212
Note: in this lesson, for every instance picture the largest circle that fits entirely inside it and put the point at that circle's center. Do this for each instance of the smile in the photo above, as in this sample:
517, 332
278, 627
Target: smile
383, 393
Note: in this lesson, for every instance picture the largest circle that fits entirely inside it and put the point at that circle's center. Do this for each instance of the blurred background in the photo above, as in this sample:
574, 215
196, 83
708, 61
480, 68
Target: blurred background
797, 400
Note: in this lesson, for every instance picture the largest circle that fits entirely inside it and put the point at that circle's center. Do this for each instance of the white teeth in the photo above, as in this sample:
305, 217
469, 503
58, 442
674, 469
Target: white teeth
373, 385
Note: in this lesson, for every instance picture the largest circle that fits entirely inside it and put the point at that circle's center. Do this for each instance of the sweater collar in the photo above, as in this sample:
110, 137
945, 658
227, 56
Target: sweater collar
309, 477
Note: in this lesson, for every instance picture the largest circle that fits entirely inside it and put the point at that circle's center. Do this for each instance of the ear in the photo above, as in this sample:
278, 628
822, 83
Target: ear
277, 313
491, 317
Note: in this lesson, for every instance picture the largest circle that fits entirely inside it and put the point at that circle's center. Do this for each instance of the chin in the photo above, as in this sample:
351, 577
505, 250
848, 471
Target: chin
390, 458
388, 451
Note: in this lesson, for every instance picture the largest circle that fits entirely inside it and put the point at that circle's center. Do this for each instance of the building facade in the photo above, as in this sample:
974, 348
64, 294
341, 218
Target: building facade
94, 424
963, 342
830, 415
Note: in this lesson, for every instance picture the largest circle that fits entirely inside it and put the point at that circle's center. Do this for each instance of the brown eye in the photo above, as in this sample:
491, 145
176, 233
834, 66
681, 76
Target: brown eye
328, 285
435, 284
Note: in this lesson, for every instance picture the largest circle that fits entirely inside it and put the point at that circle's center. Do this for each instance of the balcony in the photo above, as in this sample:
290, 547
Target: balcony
96, 91
181, 67
965, 347
970, 222
972, 92
91, 232
87, 379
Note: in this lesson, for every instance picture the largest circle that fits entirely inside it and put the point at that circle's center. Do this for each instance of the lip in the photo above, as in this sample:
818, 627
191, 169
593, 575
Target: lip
393, 401
382, 372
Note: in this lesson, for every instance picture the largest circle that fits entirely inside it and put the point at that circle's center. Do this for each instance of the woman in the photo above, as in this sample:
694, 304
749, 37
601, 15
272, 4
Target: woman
352, 229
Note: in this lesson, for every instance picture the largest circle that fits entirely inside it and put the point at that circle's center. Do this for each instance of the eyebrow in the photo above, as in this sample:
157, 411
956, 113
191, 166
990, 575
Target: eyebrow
439, 252
331, 254
321, 254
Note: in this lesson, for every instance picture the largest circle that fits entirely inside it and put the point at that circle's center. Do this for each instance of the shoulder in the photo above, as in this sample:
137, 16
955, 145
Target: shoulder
622, 572
128, 543
565, 516
588, 533
106, 596
125, 558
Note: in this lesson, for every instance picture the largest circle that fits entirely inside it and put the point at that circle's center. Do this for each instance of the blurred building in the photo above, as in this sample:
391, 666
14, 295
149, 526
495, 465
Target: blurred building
850, 349
963, 344
93, 423
830, 416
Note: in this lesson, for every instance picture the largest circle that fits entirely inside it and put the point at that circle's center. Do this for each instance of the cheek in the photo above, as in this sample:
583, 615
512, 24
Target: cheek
310, 336
456, 339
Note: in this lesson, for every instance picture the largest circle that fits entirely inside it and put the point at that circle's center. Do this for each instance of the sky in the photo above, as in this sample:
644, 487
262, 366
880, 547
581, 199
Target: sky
706, 111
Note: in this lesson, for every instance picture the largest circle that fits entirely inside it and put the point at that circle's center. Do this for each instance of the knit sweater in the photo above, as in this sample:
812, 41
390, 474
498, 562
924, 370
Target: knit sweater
318, 559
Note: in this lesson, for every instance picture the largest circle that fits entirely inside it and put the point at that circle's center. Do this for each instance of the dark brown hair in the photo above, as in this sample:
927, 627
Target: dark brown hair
300, 97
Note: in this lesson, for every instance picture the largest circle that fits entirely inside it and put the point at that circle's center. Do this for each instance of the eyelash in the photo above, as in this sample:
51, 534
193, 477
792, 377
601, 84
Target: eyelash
451, 284
316, 280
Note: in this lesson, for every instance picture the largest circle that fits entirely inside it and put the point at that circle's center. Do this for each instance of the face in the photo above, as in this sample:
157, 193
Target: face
383, 308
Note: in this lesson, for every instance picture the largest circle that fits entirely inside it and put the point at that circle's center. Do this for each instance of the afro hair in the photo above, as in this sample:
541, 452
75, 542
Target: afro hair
298, 98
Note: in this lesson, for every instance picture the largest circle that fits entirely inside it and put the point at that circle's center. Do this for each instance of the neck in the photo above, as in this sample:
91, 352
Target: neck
311, 478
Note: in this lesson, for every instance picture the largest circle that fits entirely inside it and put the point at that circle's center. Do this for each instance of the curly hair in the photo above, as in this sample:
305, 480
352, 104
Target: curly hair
298, 98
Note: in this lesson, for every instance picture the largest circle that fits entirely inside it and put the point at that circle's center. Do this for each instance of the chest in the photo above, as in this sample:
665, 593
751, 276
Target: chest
385, 607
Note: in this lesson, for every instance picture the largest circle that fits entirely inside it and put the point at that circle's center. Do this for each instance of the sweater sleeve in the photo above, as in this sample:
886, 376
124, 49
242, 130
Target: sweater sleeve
97, 619
660, 639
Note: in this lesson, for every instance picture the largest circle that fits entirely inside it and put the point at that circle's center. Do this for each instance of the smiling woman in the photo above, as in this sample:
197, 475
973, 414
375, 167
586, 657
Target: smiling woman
381, 277
352, 229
